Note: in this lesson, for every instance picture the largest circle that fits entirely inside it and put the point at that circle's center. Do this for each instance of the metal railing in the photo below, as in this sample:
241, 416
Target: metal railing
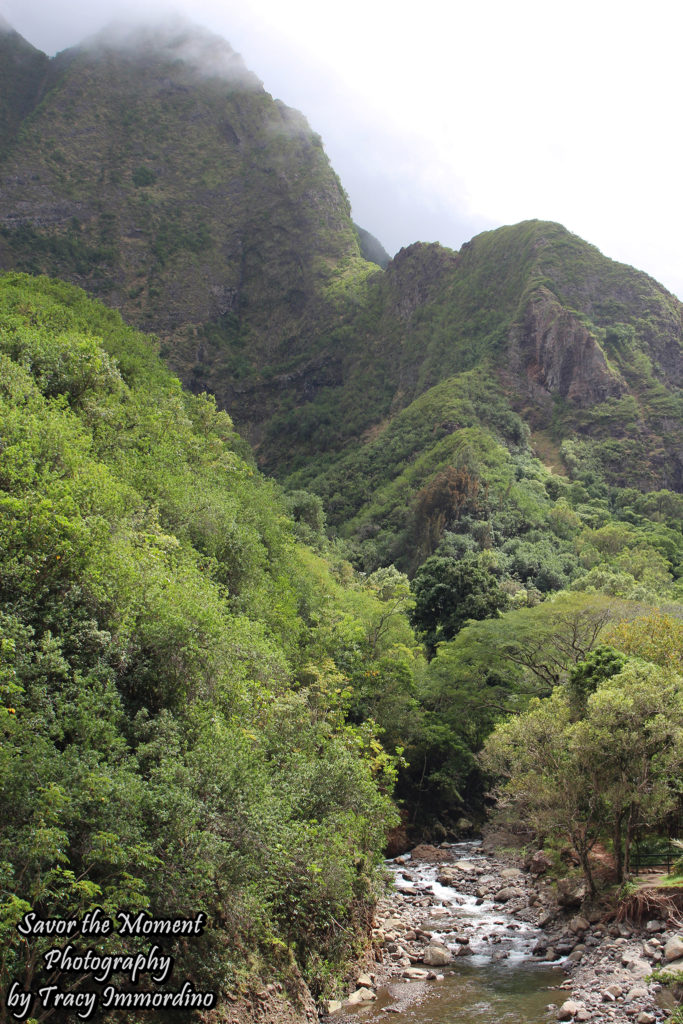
654, 852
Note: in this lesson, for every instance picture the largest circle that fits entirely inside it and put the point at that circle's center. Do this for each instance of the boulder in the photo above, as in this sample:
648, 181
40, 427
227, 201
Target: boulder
540, 862
673, 949
639, 968
333, 1006
570, 893
465, 865
646, 1018
361, 995
416, 973
569, 1009
655, 926
579, 925
437, 956
505, 894
637, 992
364, 981
511, 873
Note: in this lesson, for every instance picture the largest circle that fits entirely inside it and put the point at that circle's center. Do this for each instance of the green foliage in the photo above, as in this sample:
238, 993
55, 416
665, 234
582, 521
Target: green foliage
143, 176
601, 663
176, 672
615, 769
448, 593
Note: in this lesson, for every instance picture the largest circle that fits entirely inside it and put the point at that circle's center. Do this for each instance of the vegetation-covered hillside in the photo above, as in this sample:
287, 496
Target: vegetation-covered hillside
155, 171
176, 667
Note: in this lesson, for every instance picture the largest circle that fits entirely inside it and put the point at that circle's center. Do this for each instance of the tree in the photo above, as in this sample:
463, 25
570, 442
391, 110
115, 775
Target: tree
550, 784
448, 593
632, 736
615, 769
584, 679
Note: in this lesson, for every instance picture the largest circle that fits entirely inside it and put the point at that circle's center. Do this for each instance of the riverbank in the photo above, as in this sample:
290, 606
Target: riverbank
470, 904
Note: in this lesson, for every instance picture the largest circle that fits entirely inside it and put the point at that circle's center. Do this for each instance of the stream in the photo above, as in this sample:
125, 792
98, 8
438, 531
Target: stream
500, 983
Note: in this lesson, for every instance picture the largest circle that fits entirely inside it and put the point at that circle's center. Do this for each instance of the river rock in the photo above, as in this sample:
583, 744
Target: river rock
637, 992
646, 1018
610, 993
569, 1009
673, 965
540, 862
437, 956
361, 995
333, 1006
364, 981
570, 893
511, 873
639, 968
505, 894
655, 926
466, 865
416, 973
579, 925
673, 949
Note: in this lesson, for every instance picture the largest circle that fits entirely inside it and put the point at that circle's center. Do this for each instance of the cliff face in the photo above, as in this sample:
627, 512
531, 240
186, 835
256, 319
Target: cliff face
22, 71
552, 352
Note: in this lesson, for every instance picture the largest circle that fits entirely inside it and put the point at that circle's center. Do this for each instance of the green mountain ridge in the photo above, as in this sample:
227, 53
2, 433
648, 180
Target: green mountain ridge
158, 174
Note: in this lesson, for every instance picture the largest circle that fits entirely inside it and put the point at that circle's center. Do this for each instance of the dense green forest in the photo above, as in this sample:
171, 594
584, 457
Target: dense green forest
207, 708
176, 666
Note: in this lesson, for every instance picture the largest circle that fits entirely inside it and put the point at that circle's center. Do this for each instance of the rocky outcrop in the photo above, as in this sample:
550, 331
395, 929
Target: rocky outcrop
550, 350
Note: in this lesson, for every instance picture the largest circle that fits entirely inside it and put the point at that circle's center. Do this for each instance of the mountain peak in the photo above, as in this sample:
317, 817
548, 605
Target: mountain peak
173, 38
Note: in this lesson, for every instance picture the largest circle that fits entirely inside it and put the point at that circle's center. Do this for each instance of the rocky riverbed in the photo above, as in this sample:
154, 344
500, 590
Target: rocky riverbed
465, 904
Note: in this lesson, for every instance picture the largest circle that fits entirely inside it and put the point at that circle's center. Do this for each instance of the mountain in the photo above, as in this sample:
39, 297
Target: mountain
22, 71
157, 172
153, 169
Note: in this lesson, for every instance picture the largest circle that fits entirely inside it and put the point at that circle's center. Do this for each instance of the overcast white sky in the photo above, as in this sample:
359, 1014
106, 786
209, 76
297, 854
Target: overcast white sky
445, 119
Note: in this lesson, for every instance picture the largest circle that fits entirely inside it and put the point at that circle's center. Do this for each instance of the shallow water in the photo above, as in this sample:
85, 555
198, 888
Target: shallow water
485, 993
479, 989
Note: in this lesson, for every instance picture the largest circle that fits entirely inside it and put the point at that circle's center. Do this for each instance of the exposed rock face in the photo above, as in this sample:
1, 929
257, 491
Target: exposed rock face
559, 355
